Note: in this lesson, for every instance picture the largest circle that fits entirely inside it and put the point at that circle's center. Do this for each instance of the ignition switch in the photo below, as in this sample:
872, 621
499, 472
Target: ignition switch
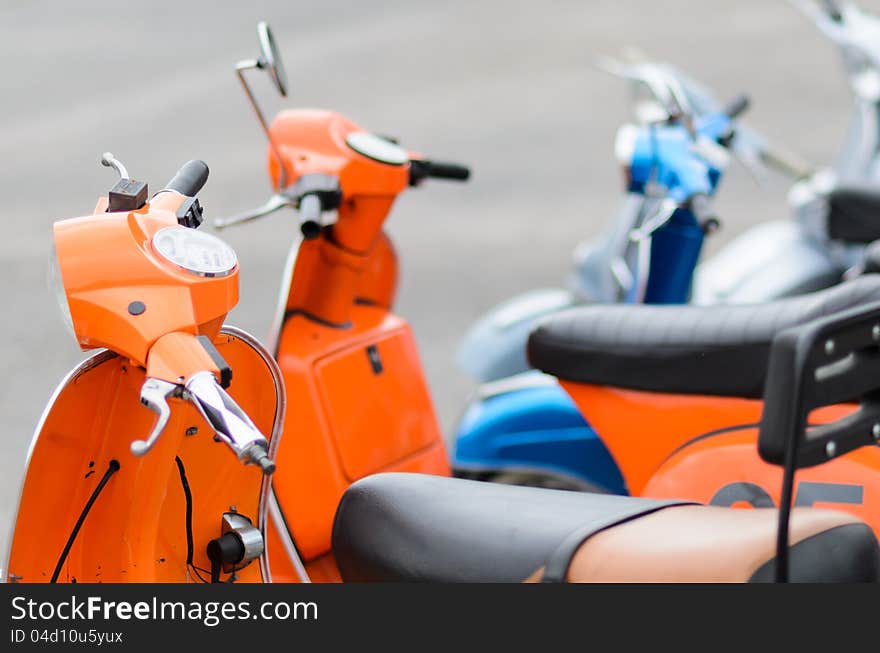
239, 545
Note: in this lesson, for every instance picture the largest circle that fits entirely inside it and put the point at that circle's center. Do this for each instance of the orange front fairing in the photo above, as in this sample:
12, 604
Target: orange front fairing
136, 529
312, 141
122, 295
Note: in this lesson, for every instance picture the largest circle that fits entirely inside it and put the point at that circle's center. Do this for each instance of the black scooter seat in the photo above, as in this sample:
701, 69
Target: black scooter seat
706, 350
414, 527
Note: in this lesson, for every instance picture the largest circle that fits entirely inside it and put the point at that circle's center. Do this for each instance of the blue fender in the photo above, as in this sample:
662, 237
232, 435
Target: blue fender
535, 427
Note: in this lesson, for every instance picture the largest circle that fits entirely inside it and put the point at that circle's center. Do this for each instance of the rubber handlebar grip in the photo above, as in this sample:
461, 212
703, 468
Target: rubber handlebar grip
190, 179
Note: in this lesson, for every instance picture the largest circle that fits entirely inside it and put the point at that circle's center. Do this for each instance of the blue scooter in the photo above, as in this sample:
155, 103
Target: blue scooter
524, 429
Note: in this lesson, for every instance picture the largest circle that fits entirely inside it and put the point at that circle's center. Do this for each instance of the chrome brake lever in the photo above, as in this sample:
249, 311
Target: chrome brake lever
154, 395
274, 203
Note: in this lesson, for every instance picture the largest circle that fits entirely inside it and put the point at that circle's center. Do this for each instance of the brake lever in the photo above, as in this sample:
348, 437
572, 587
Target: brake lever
274, 203
154, 395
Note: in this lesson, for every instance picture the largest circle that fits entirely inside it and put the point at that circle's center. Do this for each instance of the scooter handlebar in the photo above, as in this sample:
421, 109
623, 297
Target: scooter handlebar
190, 179
229, 422
832, 8
421, 169
310, 210
738, 106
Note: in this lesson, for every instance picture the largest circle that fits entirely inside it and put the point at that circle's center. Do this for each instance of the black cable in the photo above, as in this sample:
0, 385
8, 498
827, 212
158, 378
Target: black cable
198, 575
187, 493
112, 468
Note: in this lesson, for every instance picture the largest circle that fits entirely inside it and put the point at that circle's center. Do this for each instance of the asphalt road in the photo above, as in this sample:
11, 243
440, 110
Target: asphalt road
507, 87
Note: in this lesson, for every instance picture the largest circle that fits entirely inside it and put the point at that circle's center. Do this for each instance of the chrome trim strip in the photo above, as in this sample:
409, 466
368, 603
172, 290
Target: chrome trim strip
277, 429
286, 540
274, 335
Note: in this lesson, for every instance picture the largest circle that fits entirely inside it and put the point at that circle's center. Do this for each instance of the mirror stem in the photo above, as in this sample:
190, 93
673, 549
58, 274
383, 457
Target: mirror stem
240, 67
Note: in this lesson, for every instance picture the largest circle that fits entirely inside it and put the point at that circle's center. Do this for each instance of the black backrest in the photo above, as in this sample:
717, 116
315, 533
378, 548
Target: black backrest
827, 361
854, 214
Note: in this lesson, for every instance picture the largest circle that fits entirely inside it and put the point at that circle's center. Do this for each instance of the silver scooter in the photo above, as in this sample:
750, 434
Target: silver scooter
773, 260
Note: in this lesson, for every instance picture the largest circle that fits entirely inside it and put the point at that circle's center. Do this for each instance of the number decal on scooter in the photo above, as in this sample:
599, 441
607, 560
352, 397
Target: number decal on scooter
733, 493
808, 494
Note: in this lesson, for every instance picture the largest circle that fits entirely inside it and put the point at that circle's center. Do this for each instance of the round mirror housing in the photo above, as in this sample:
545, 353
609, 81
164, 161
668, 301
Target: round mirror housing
270, 58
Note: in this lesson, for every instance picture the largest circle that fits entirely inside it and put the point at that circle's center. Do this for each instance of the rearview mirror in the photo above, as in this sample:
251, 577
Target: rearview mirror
270, 58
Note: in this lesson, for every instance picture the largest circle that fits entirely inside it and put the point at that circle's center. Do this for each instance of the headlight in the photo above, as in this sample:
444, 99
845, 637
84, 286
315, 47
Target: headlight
195, 251
56, 287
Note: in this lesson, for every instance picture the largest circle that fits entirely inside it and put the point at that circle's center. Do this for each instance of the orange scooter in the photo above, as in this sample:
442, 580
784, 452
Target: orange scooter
102, 503
676, 394
357, 396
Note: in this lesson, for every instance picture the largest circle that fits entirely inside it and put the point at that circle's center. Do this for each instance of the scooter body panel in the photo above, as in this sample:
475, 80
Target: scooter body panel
136, 528
358, 404
640, 429
705, 449
535, 428
771, 261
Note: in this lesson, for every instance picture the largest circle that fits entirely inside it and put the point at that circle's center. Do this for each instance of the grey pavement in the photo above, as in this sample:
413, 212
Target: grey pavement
507, 87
